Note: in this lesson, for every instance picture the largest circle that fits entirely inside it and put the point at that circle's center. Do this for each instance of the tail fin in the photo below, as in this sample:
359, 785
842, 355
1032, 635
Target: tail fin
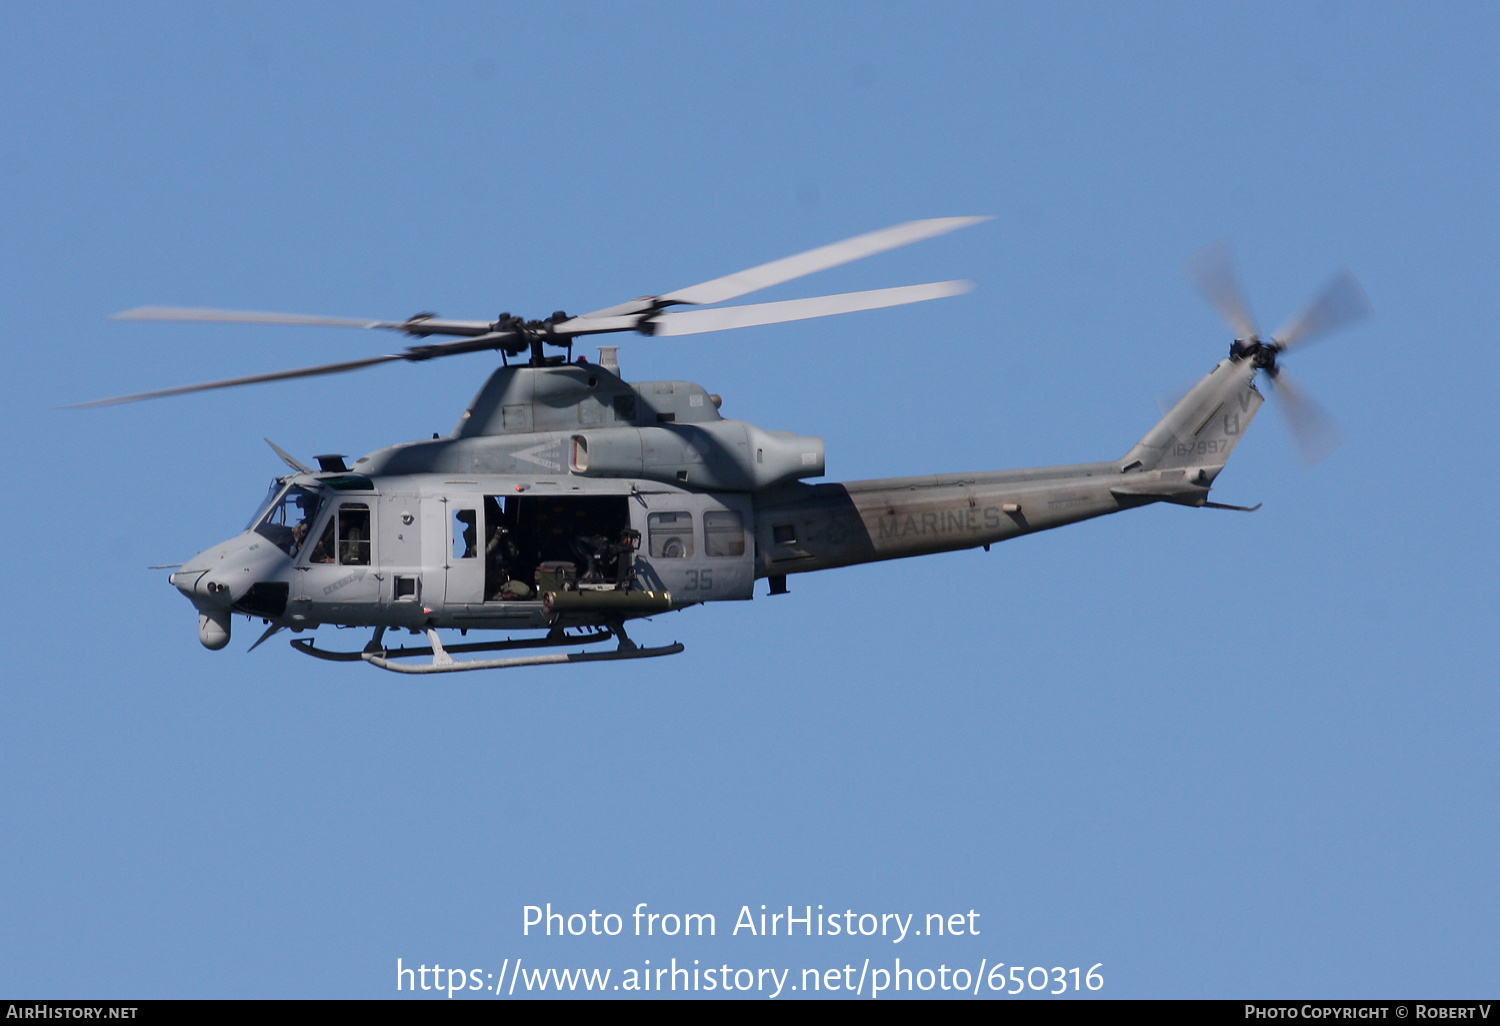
1193, 441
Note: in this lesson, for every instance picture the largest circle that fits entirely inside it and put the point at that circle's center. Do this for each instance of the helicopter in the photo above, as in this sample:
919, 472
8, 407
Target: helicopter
567, 501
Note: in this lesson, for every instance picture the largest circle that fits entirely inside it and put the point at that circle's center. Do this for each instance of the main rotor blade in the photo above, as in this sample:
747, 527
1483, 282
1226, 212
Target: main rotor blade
204, 315
732, 286
305, 372
414, 326
1211, 270
414, 354
692, 322
1314, 432
1341, 302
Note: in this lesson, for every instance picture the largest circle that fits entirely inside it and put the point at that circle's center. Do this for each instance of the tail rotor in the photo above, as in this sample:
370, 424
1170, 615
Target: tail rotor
1342, 302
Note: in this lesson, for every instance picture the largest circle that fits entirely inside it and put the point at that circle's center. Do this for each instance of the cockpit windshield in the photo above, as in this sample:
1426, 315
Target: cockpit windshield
277, 484
288, 518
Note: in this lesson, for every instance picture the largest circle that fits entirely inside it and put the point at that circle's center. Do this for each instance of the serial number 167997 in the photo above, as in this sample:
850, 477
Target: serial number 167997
1202, 448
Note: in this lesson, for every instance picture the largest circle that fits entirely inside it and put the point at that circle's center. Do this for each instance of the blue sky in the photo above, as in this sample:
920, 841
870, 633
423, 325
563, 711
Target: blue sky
1221, 754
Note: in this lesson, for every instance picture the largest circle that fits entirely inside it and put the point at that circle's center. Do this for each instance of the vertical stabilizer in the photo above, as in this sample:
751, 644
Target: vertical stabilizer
1198, 434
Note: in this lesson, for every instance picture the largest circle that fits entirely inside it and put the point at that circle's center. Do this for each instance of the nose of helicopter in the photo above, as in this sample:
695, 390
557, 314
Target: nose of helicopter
215, 579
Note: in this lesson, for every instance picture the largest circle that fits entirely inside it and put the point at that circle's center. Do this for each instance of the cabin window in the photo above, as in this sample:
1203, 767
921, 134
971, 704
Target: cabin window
723, 533
465, 534
671, 535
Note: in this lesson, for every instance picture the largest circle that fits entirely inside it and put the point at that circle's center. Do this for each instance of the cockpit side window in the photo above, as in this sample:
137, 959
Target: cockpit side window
354, 534
286, 522
323, 551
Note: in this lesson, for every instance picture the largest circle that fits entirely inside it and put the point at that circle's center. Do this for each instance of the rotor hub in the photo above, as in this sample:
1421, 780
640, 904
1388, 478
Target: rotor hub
1261, 355
534, 335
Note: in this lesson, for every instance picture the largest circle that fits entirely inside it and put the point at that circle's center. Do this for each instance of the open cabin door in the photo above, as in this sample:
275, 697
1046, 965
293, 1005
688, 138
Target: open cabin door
508, 549
581, 539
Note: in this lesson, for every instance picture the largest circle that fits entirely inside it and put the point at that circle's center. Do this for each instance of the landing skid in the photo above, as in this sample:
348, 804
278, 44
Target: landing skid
305, 646
443, 661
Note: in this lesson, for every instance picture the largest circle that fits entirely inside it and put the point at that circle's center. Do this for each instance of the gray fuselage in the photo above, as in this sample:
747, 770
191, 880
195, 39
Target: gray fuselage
565, 478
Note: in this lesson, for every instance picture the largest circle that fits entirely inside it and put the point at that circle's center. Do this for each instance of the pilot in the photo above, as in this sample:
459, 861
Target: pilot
322, 552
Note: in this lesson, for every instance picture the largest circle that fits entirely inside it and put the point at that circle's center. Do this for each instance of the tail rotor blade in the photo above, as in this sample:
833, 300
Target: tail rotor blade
1314, 432
1211, 270
1342, 301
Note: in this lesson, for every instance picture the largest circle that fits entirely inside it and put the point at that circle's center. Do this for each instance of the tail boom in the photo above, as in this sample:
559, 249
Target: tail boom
805, 527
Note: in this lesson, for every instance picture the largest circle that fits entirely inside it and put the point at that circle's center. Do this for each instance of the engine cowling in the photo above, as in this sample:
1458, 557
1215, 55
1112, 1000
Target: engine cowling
729, 455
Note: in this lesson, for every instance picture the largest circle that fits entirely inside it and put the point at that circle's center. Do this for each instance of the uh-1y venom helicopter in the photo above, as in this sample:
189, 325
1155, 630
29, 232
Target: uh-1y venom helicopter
568, 500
